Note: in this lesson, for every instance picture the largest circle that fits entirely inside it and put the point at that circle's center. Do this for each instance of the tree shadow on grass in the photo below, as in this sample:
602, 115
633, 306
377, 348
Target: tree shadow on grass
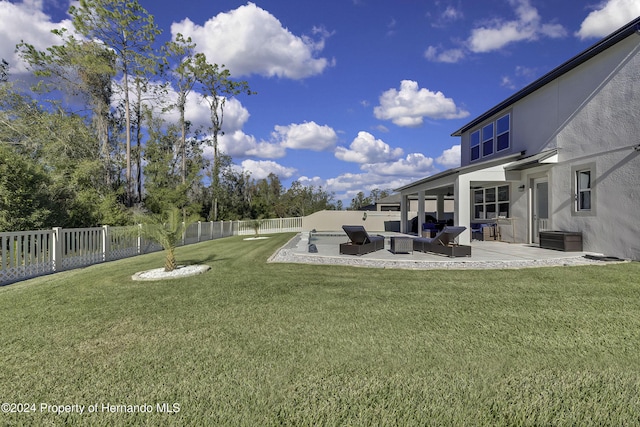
204, 259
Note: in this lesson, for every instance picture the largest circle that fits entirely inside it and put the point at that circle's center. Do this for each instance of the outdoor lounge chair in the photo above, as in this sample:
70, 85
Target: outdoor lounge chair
360, 242
443, 243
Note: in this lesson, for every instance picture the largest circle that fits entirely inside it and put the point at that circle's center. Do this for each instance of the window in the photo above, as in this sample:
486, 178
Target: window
583, 180
487, 140
494, 136
475, 145
491, 202
503, 127
584, 189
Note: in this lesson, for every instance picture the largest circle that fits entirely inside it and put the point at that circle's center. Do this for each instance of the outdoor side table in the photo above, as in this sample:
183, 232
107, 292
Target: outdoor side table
401, 244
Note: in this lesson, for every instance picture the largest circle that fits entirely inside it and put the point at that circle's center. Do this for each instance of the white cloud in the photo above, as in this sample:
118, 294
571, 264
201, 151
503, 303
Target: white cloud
198, 112
366, 149
262, 168
452, 14
410, 105
347, 185
450, 56
450, 157
25, 21
499, 33
445, 17
316, 181
414, 164
249, 40
233, 141
237, 143
522, 76
610, 16
306, 136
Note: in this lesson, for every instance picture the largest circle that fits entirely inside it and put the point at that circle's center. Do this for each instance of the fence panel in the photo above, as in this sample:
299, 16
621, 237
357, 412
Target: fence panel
25, 254
270, 226
81, 247
192, 234
123, 243
206, 231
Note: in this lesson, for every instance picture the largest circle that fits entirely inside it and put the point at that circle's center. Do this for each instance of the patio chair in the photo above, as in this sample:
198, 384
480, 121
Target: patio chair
360, 242
443, 243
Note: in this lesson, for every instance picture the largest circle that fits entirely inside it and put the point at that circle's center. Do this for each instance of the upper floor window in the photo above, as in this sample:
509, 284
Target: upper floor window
475, 145
492, 138
503, 128
487, 140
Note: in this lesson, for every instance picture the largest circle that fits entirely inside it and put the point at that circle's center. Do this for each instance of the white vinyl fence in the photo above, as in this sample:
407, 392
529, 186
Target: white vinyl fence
26, 254
270, 226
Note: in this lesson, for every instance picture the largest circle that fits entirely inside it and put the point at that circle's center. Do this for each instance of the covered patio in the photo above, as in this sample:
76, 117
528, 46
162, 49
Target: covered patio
464, 182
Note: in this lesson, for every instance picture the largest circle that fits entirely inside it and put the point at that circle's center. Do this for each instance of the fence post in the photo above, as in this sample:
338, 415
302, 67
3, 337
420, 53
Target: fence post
199, 231
57, 249
106, 243
139, 242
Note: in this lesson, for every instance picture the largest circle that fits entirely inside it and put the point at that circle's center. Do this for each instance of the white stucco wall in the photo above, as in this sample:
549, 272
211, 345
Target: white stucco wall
591, 115
602, 134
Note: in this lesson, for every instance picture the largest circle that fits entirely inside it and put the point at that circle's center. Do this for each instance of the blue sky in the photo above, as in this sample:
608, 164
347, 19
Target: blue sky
354, 95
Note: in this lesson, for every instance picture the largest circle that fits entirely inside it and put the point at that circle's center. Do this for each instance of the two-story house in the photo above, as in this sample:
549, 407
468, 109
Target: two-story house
561, 154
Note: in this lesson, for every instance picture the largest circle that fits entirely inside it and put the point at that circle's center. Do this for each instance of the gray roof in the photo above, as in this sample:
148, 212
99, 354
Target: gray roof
613, 38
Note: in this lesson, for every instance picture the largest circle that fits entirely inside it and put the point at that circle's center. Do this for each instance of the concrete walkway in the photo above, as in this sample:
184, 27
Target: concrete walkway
484, 254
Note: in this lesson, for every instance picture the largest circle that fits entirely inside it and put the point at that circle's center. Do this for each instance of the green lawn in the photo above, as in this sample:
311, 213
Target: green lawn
251, 343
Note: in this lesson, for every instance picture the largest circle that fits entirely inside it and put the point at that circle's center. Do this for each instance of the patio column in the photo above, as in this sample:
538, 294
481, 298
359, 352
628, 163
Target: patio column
462, 207
404, 215
440, 207
420, 211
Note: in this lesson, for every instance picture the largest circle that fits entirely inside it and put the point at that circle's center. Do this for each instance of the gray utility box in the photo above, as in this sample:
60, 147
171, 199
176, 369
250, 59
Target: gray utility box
568, 241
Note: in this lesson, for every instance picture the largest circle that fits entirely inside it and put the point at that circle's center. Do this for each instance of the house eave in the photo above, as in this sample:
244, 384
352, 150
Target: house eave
463, 170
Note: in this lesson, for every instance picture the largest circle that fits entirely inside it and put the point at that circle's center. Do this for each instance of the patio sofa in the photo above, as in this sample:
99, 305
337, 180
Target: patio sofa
443, 243
360, 242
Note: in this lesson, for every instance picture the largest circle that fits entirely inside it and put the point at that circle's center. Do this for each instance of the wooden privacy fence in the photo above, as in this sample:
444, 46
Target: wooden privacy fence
26, 254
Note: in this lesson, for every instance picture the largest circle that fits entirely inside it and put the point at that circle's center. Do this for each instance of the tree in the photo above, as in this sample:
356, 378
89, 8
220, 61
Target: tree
164, 186
79, 68
24, 200
360, 201
58, 153
377, 194
166, 229
234, 196
129, 31
266, 198
302, 201
216, 85
182, 76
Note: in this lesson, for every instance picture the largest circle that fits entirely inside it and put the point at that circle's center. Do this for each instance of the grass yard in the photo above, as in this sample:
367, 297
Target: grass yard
257, 344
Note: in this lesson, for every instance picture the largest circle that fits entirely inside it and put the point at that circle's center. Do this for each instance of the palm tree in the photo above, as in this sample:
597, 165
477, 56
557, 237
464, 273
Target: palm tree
256, 224
167, 230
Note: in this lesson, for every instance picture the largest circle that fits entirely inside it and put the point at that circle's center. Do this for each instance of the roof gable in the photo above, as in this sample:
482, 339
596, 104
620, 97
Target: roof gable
612, 39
